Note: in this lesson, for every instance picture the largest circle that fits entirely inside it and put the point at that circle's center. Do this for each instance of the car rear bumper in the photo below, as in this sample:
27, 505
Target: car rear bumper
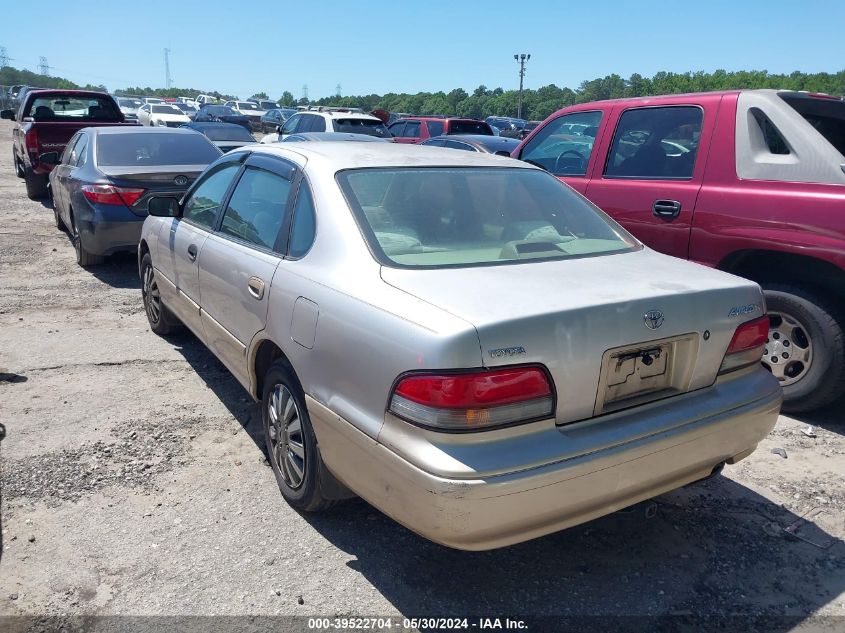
722, 423
108, 229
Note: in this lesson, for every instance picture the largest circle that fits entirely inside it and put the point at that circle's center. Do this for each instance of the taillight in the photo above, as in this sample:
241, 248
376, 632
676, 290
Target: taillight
31, 140
109, 194
747, 345
473, 400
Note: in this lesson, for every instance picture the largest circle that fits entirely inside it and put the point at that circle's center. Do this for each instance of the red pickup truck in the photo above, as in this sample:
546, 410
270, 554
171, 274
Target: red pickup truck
46, 121
750, 182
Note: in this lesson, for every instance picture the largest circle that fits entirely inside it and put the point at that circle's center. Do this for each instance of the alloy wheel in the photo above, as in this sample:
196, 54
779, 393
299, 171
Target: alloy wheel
789, 349
151, 295
287, 442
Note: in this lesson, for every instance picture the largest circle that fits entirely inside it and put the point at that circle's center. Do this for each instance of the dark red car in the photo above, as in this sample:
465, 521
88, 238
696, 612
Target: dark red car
750, 182
418, 128
46, 121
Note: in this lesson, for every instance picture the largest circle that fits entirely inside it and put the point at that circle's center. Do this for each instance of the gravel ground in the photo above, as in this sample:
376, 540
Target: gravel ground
134, 482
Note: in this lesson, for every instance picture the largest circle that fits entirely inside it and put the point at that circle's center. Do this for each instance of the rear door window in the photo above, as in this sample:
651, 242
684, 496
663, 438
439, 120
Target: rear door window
564, 146
412, 129
256, 208
318, 124
435, 128
655, 143
397, 129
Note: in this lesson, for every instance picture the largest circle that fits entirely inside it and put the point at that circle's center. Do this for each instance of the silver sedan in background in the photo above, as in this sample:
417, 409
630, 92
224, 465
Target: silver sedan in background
458, 338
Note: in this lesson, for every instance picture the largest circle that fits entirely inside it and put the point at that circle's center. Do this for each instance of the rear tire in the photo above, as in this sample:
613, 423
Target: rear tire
291, 444
18, 169
60, 224
807, 326
36, 184
83, 257
162, 320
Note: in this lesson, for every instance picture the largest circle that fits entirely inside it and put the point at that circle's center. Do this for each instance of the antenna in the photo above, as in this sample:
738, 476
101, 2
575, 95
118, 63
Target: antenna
167, 79
4, 57
43, 66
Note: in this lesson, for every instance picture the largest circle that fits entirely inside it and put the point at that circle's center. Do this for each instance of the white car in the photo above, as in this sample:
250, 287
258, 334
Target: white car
330, 121
164, 115
202, 100
151, 100
249, 109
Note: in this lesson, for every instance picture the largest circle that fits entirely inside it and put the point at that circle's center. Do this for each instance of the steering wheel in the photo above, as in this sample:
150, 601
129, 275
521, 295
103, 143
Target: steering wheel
573, 152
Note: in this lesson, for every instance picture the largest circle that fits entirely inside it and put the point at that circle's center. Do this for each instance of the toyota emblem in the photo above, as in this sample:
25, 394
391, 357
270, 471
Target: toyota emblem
653, 319
181, 180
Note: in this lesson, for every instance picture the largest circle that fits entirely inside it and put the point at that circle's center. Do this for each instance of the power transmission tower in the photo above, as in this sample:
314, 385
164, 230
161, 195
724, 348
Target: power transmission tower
43, 66
337, 90
167, 80
4, 57
305, 92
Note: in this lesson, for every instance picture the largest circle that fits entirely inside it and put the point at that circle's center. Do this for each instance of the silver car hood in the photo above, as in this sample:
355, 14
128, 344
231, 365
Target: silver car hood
565, 314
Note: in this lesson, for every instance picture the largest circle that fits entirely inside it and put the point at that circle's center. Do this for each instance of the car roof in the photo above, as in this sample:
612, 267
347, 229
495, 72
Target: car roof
494, 143
338, 136
206, 125
334, 114
337, 156
138, 129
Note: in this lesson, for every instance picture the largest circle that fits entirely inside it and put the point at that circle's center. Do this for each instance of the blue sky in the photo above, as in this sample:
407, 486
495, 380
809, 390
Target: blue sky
261, 45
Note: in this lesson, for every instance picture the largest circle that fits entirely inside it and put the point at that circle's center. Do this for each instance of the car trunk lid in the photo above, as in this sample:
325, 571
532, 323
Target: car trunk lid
162, 180
597, 323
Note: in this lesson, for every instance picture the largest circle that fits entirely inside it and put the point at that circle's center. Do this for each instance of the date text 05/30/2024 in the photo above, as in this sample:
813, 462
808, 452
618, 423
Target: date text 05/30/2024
378, 624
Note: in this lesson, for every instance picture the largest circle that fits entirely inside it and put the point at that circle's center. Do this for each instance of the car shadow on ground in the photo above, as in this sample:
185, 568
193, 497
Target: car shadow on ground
119, 271
831, 417
712, 549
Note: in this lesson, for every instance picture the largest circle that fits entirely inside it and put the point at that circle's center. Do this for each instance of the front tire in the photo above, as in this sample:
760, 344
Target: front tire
806, 347
291, 444
36, 184
162, 321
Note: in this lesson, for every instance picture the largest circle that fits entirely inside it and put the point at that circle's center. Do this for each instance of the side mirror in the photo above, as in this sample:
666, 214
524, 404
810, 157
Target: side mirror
49, 158
163, 207
7, 114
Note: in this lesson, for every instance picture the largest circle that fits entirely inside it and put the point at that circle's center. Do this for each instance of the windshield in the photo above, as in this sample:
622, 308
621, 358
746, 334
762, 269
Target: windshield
58, 108
373, 127
220, 111
470, 127
130, 103
185, 107
228, 132
165, 109
245, 105
459, 216
131, 150
268, 105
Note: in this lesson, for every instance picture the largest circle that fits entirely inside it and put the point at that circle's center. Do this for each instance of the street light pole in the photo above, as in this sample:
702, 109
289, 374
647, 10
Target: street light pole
521, 58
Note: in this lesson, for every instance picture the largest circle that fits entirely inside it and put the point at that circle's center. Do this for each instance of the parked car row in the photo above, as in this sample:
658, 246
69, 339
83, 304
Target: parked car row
523, 349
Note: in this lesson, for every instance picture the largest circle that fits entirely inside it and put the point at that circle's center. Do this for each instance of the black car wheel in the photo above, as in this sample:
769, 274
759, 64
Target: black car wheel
162, 320
291, 444
83, 257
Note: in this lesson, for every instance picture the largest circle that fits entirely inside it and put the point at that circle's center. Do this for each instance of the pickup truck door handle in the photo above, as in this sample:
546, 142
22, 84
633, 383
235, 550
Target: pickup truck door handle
256, 287
666, 208
192, 252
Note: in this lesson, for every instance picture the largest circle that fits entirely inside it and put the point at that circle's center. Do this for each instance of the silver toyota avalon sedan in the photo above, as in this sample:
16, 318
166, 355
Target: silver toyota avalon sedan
460, 339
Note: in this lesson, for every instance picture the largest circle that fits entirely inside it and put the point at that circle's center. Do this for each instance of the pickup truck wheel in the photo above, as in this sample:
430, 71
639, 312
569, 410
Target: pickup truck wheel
291, 444
83, 257
806, 347
36, 184
162, 320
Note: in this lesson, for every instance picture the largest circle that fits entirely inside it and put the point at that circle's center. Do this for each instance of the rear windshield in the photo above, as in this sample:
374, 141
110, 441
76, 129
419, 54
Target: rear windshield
372, 127
220, 110
184, 107
826, 115
454, 216
165, 109
140, 149
130, 103
62, 108
470, 127
247, 106
227, 133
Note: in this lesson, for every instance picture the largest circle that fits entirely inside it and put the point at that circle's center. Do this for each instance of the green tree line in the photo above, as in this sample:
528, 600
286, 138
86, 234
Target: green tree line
483, 102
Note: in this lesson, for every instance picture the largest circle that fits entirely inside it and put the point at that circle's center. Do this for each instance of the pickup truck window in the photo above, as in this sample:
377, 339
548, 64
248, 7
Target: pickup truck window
563, 147
655, 143
69, 107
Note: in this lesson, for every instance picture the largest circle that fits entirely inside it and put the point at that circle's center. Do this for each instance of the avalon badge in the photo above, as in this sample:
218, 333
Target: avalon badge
653, 319
180, 180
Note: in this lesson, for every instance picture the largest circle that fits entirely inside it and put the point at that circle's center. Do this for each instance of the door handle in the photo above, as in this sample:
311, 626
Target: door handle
666, 208
255, 286
192, 252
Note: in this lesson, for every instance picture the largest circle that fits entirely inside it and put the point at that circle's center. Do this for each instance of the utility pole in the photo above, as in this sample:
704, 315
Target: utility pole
4, 57
43, 66
167, 80
521, 58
